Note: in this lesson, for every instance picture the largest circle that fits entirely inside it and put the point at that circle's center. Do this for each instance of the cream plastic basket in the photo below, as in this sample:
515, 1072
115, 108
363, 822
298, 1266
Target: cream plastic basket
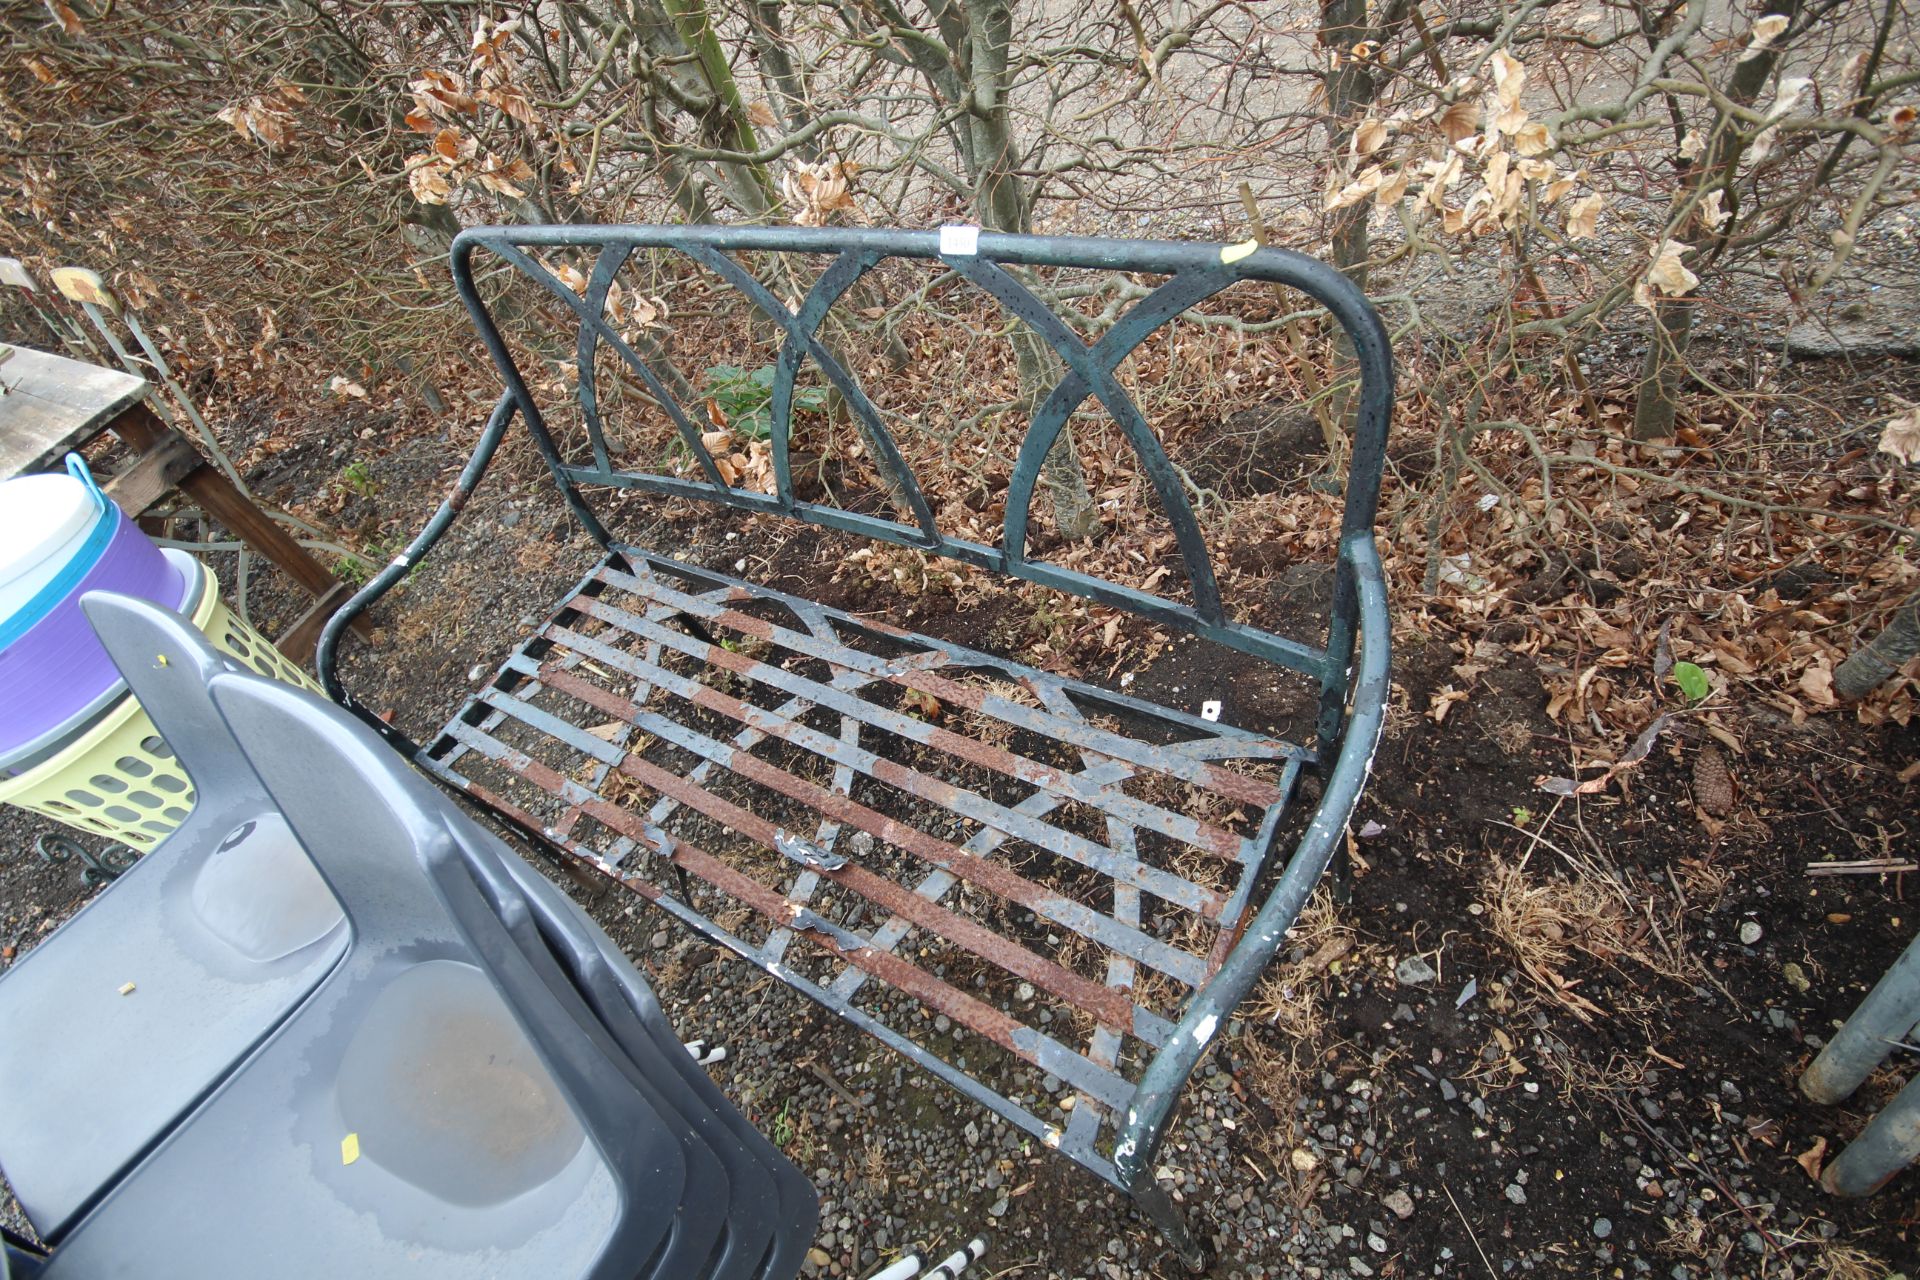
119, 778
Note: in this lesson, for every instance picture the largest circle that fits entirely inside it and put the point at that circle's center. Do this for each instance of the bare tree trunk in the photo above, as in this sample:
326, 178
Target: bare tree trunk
1880, 659
1001, 202
1658, 391
725, 122
770, 43
1657, 394
1350, 89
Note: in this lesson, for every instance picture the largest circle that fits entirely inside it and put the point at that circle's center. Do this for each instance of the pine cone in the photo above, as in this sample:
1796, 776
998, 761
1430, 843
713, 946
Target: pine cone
1712, 783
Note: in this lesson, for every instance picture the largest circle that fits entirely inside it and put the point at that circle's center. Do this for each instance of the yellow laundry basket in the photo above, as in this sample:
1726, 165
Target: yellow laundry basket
120, 778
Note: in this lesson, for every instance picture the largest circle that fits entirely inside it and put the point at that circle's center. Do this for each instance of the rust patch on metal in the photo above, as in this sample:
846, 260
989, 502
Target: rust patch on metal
991, 876
1227, 782
1207, 903
1205, 836
1103, 1002
994, 1024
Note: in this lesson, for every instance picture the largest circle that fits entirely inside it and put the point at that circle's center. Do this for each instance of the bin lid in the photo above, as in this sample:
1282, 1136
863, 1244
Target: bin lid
39, 517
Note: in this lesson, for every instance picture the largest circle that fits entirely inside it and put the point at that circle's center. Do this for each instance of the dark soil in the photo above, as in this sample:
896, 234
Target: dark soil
1255, 451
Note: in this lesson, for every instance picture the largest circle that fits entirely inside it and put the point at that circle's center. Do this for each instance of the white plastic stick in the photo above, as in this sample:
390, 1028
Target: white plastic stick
905, 1269
964, 1257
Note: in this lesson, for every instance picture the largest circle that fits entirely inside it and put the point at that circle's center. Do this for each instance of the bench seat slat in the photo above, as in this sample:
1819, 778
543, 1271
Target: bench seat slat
994, 1024
644, 657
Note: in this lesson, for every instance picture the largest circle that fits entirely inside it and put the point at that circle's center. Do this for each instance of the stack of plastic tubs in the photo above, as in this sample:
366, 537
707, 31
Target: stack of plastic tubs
74, 744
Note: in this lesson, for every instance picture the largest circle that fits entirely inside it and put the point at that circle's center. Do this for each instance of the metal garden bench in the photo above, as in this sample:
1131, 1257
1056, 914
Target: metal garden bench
1042, 872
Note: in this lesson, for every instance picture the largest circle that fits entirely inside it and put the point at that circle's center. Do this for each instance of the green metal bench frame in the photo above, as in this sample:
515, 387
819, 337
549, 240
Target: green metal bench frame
643, 618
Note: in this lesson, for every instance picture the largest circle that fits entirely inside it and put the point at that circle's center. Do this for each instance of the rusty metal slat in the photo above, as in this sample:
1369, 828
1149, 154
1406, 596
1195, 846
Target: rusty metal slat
827, 834
1103, 1047
953, 654
968, 805
1162, 884
994, 1024
1201, 835
1083, 993
938, 881
590, 859
997, 879
1236, 786
746, 739
1070, 729
1263, 843
1179, 826
529, 669
590, 863
657, 613
1091, 997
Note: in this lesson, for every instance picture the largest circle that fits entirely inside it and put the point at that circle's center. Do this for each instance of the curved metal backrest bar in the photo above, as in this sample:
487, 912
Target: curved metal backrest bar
1195, 272
591, 319
827, 290
1086, 371
605, 268
854, 265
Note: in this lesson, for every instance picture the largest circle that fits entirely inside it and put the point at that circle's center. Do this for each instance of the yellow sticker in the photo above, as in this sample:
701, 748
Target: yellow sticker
350, 1148
1234, 252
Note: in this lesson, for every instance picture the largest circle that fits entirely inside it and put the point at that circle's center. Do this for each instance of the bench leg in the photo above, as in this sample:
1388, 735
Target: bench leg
1158, 1208
1889, 1143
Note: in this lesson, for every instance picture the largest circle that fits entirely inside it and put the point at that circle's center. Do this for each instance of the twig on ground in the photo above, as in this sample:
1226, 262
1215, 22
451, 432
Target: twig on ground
1863, 867
1679, 1157
1469, 1226
827, 1078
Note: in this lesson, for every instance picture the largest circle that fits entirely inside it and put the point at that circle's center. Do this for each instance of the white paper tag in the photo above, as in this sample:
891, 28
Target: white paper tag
959, 242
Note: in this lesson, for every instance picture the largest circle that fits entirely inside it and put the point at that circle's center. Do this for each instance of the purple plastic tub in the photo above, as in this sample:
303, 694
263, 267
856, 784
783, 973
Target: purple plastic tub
57, 669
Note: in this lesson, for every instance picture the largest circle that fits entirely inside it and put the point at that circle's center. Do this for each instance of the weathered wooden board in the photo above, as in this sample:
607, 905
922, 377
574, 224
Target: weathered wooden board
50, 404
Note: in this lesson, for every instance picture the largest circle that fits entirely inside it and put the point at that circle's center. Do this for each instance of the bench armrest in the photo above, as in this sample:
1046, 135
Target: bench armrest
1166, 1076
326, 655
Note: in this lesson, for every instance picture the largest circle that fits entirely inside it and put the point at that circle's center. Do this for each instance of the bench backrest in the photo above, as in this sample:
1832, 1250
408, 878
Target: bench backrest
1193, 273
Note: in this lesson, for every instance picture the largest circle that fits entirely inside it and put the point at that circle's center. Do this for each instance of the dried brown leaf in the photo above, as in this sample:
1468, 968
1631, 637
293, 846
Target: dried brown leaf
1359, 189
1901, 436
1533, 140
1509, 77
1460, 120
64, 15
1668, 275
1583, 215
428, 182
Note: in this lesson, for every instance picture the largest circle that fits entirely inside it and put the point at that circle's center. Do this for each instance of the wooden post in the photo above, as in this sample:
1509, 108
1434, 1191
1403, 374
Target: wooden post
216, 495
